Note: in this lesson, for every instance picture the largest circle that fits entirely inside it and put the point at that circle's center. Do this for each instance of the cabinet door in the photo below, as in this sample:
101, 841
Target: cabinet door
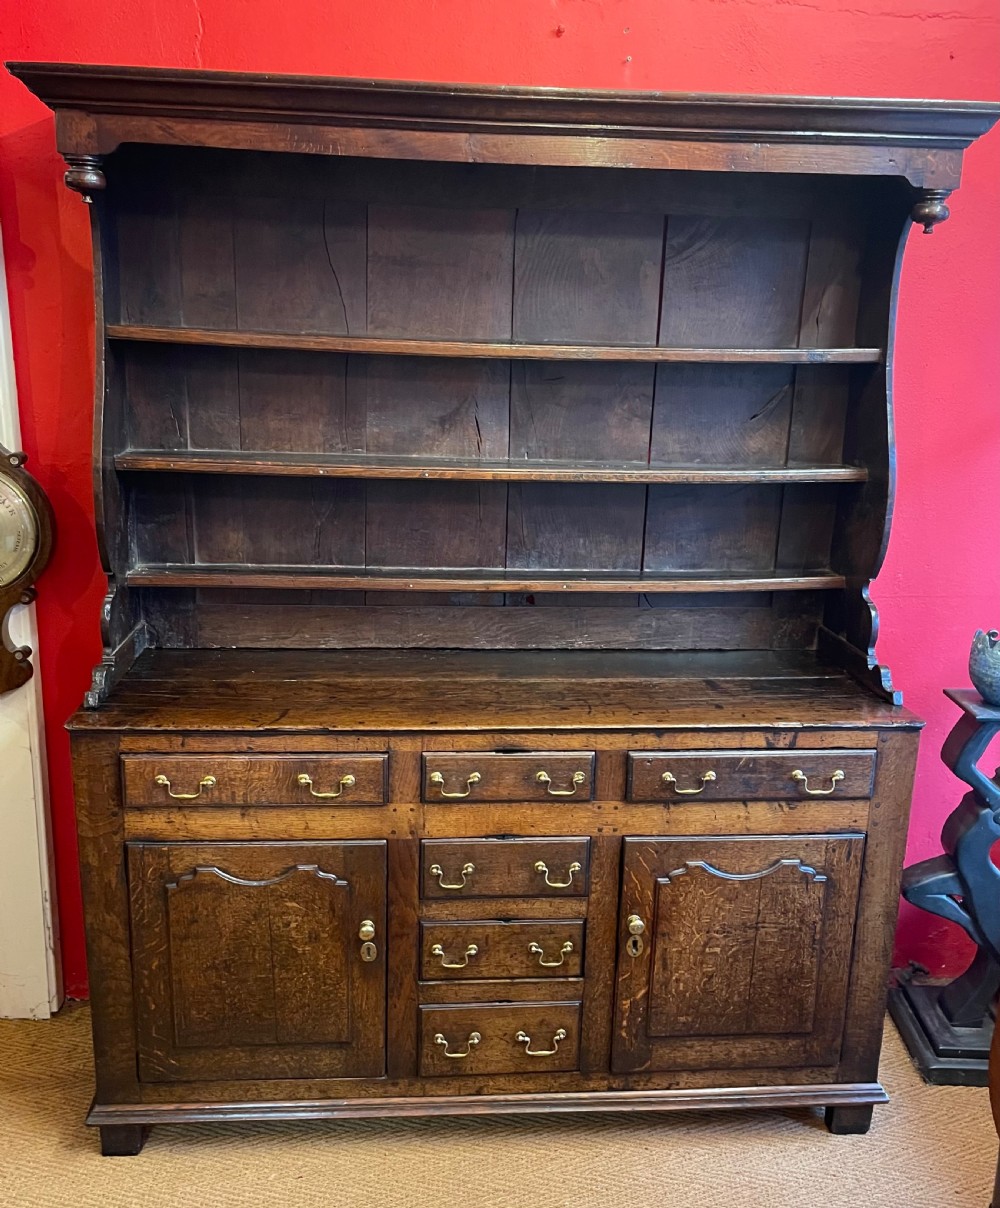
250, 959
744, 952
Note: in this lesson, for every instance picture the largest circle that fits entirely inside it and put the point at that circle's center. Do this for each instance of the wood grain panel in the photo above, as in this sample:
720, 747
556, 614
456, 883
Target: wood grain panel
289, 401
263, 975
296, 522
718, 528
430, 524
149, 286
727, 973
300, 265
733, 281
585, 277
722, 414
416, 406
207, 266
573, 412
574, 527
436, 272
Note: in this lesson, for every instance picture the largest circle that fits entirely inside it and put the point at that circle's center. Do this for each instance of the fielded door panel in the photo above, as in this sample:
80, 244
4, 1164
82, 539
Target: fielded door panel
734, 952
259, 960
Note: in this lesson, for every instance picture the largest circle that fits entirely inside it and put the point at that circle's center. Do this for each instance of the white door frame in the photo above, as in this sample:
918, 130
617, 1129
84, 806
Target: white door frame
30, 974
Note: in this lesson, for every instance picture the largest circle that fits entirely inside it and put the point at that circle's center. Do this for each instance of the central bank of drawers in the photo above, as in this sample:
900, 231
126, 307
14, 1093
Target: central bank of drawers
507, 1037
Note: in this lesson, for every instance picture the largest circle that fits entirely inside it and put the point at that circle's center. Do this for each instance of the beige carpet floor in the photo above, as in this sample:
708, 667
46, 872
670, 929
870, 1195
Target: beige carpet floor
931, 1147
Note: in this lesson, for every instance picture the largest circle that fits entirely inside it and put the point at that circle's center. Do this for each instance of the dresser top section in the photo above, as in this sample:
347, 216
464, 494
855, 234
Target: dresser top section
100, 107
424, 690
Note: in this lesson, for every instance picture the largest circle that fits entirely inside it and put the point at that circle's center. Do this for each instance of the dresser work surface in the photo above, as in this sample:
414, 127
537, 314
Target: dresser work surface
490, 482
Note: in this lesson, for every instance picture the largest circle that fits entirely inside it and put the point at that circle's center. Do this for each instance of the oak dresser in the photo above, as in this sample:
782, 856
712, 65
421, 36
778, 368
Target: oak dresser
489, 482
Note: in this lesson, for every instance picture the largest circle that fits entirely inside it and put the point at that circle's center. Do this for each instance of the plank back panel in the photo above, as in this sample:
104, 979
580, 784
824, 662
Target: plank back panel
487, 252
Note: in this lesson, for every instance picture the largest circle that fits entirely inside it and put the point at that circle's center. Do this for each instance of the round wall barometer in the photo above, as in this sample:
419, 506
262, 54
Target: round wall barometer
25, 545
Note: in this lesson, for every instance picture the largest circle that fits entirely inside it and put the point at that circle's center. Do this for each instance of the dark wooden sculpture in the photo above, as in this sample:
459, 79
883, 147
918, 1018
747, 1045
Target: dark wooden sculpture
949, 1029
490, 481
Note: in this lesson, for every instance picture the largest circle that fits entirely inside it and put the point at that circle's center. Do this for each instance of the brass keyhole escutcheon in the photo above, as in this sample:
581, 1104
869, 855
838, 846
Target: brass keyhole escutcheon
636, 927
368, 952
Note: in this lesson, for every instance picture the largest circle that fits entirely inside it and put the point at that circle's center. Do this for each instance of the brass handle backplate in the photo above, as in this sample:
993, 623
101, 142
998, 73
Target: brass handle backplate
525, 1039
438, 951
470, 1044
437, 871
634, 944
671, 779
345, 782
366, 932
437, 780
541, 867
802, 779
206, 782
576, 780
539, 951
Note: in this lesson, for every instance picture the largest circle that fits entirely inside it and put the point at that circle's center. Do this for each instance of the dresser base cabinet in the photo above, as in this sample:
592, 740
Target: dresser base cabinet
490, 482
316, 958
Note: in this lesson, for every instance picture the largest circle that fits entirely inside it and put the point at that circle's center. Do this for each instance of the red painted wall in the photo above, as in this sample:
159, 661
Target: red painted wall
942, 578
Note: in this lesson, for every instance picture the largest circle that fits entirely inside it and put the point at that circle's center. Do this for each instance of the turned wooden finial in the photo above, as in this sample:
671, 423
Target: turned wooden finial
930, 208
84, 175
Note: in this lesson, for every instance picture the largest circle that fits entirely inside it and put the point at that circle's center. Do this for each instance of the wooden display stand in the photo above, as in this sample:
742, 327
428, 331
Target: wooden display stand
489, 482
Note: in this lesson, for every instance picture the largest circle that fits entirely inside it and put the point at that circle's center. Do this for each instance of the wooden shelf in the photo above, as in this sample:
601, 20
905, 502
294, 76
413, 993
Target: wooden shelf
359, 465
488, 349
313, 578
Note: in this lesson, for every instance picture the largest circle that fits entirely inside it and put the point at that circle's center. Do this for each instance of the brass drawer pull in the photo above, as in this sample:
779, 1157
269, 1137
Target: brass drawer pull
438, 951
525, 1039
206, 782
438, 871
470, 1044
801, 778
578, 778
540, 866
345, 782
437, 779
539, 951
669, 778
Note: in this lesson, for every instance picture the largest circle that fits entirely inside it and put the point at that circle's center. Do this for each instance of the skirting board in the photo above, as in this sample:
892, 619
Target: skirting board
823, 1095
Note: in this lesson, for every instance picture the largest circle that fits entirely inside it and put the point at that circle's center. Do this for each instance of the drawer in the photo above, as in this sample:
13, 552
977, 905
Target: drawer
500, 1039
485, 776
504, 868
205, 780
494, 949
749, 775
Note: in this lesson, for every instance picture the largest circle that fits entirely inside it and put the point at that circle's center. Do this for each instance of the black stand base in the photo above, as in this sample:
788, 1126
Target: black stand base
944, 1054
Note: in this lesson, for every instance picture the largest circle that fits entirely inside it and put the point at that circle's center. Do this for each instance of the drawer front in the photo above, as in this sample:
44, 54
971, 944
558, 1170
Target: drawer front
504, 868
493, 949
493, 1039
206, 780
752, 775
535, 776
